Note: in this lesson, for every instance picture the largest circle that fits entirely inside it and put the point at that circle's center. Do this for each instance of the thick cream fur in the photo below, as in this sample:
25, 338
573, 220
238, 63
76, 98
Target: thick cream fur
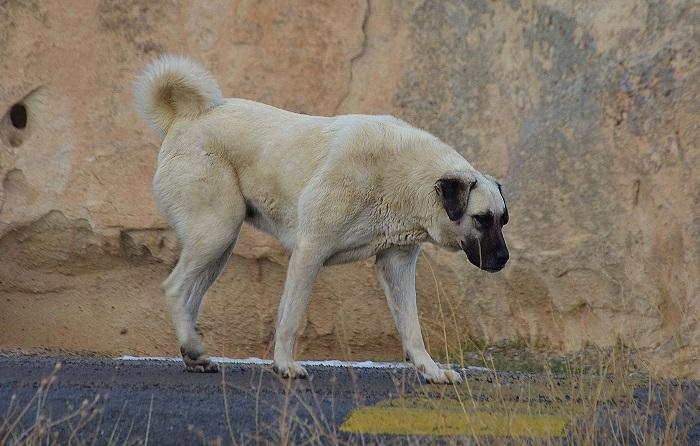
330, 189
172, 87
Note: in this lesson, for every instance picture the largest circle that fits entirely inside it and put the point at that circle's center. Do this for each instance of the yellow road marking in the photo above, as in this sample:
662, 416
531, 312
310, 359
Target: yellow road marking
510, 407
424, 421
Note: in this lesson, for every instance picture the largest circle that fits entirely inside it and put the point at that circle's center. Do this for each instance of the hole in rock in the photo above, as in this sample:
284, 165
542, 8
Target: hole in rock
18, 116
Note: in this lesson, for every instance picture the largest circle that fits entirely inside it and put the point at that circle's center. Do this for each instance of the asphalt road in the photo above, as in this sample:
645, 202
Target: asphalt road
158, 403
187, 408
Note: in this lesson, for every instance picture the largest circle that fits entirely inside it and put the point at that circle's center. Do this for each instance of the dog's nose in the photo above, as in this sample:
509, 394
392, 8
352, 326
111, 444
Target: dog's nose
503, 257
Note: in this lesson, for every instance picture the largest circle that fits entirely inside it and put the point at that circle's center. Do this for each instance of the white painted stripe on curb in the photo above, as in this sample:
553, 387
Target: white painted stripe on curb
259, 361
325, 363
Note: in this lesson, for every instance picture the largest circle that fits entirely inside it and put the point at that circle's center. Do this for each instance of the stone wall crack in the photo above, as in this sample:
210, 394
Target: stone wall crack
356, 57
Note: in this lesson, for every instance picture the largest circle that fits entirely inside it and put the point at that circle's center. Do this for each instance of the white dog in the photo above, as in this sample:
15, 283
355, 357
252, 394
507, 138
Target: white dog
330, 189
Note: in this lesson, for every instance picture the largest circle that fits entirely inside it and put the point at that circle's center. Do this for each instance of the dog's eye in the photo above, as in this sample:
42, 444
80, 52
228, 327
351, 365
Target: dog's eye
483, 219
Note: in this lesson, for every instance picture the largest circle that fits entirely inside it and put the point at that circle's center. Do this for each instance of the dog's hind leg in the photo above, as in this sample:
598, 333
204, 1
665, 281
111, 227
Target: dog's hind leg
201, 274
207, 211
396, 269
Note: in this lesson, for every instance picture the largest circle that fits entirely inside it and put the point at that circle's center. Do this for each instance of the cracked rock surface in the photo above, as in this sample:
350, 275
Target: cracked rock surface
588, 112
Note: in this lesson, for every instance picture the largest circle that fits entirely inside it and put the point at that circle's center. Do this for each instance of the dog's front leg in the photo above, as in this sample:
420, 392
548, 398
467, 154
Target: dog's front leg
304, 266
396, 268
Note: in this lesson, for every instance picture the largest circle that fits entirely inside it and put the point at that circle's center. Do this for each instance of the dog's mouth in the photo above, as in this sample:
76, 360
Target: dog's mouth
475, 258
492, 270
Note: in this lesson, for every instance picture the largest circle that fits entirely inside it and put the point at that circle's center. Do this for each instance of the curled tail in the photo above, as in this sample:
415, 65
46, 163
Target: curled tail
174, 87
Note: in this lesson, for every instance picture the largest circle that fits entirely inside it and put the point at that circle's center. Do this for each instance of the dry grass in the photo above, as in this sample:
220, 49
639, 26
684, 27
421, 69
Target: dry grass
603, 401
605, 404
41, 428
32, 423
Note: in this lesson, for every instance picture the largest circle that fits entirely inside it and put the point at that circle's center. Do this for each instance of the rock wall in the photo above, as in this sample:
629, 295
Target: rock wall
587, 111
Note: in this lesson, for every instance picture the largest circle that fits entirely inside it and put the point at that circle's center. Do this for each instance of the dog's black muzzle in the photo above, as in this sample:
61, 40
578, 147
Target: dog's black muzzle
489, 253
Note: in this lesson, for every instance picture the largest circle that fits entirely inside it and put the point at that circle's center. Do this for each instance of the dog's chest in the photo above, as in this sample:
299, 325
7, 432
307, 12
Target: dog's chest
377, 244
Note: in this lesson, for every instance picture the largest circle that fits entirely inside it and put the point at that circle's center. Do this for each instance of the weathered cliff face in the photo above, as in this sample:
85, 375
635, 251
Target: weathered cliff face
587, 111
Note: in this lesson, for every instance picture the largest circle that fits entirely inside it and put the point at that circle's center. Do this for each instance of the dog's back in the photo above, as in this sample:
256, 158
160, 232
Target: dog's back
271, 154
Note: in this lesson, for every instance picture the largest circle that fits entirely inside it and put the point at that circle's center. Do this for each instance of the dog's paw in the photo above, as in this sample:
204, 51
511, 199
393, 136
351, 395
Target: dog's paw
290, 369
442, 376
200, 364
202, 367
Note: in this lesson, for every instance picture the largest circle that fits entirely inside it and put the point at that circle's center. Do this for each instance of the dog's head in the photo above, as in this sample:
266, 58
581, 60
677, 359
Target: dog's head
473, 217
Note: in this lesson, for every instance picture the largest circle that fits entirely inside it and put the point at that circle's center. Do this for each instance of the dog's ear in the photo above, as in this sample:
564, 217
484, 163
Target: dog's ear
453, 190
504, 217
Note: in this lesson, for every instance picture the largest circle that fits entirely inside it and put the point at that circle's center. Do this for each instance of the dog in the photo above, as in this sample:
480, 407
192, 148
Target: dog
332, 190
